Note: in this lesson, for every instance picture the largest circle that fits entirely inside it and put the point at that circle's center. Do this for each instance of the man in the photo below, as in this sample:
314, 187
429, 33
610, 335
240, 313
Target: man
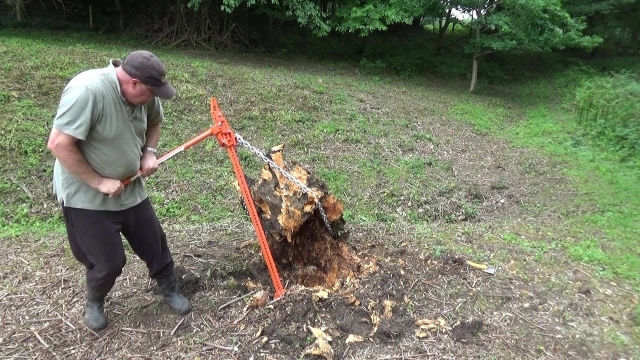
107, 128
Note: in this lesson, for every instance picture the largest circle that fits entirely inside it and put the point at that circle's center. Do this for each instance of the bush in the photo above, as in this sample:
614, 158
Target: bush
608, 109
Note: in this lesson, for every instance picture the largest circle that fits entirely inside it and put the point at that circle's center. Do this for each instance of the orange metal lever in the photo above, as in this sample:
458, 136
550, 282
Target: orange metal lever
227, 139
173, 153
220, 129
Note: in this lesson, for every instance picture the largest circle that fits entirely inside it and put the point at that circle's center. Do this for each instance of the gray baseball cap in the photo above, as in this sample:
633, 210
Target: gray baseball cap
146, 67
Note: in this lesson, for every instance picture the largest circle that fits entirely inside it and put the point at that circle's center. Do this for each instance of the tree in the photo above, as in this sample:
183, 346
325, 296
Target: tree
615, 21
523, 26
307, 13
19, 7
445, 19
365, 17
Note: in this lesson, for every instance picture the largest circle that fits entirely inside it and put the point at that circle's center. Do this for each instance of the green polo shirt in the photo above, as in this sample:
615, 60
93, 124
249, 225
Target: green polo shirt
110, 135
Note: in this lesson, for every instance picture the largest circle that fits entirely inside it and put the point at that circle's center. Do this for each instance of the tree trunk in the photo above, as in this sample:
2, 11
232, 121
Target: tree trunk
474, 73
120, 15
443, 30
305, 250
476, 55
19, 10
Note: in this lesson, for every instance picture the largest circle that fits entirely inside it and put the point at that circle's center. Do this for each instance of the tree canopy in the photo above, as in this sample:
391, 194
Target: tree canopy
492, 26
524, 26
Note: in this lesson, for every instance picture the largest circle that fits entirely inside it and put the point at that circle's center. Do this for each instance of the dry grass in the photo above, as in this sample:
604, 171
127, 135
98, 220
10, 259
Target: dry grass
514, 314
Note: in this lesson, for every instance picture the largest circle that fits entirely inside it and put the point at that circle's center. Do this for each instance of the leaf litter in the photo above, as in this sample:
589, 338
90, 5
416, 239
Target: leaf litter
412, 305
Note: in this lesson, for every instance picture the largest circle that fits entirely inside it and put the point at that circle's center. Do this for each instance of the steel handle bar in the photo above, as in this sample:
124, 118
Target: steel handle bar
174, 152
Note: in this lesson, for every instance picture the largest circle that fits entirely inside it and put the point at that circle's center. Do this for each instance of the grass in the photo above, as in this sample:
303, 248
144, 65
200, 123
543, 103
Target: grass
608, 109
606, 235
605, 183
380, 153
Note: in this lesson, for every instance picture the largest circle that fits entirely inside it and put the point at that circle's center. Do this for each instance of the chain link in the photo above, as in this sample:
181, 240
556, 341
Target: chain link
314, 193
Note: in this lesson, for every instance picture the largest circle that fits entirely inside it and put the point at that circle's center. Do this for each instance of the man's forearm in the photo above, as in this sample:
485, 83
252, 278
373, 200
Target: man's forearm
74, 161
152, 135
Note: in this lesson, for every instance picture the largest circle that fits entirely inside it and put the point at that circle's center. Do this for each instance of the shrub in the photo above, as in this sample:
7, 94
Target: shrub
608, 109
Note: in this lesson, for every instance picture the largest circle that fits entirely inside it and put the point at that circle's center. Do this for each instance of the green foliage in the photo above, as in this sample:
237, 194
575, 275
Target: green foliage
377, 15
594, 7
615, 21
608, 109
400, 54
304, 12
530, 26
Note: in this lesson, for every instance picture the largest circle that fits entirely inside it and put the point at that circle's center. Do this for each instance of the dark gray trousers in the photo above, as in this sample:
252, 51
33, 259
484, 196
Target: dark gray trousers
94, 238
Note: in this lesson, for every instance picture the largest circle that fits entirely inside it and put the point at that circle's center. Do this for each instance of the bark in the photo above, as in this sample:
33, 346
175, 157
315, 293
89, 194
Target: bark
443, 30
474, 71
120, 15
299, 241
20, 10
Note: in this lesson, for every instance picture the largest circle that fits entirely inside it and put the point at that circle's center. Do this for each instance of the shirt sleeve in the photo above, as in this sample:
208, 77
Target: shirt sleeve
155, 113
77, 112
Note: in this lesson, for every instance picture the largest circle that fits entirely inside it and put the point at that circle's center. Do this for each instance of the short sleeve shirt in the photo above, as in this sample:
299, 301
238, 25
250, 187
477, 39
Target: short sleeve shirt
110, 133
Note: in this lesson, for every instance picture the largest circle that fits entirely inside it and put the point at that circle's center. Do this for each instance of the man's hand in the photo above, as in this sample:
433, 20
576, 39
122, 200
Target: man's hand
64, 147
110, 187
148, 164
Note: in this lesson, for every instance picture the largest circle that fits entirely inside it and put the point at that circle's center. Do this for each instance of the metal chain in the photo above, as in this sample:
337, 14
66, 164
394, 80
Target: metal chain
289, 177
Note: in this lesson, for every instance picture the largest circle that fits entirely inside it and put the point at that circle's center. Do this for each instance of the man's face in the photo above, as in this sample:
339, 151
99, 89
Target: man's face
139, 93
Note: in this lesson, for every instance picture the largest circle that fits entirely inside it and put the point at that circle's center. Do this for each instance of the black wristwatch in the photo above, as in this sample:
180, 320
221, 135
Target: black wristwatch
150, 149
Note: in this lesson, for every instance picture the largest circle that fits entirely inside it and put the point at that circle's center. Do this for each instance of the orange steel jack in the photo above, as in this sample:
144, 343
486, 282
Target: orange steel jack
226, 138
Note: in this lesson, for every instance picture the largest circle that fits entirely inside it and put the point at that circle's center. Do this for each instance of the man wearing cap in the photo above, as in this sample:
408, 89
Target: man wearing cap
107, 128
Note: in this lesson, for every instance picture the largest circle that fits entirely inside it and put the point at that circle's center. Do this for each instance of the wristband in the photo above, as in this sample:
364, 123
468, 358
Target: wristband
150, 149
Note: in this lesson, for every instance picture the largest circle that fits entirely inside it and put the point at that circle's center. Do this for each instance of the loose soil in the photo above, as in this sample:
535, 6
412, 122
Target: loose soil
408, 304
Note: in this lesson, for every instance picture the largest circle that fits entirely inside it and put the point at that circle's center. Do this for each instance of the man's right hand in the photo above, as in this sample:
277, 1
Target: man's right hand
110, 187
64, 147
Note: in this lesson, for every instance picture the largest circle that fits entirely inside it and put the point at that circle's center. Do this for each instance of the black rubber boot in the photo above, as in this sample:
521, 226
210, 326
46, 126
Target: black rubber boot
94, 307
172, 296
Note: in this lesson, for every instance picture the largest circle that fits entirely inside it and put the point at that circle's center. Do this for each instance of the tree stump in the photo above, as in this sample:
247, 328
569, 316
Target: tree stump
304, 249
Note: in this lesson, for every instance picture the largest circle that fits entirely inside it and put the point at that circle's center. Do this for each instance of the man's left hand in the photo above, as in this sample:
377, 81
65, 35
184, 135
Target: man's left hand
148, 164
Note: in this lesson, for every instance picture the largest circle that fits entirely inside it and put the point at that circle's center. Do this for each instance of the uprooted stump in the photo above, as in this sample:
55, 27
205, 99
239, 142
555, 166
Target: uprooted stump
302, 246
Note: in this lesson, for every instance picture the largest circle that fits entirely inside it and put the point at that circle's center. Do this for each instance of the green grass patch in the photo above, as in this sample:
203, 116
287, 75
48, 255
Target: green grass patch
602, 180
606, 186
35, 227
608, 109
485, 117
